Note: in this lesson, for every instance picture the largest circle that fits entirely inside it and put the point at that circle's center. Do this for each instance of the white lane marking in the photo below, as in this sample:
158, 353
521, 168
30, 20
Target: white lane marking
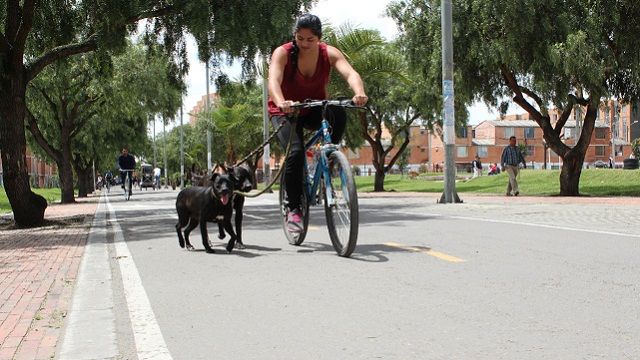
550, 226
146, 331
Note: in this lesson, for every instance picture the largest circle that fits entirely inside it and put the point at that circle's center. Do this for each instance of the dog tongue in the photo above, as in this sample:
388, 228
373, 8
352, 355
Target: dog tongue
224, 199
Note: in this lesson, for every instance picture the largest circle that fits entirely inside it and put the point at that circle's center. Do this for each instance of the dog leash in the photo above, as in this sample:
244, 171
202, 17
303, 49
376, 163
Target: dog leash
294, 122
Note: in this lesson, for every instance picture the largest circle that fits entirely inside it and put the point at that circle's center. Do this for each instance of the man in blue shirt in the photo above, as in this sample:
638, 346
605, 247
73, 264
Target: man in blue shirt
511, 157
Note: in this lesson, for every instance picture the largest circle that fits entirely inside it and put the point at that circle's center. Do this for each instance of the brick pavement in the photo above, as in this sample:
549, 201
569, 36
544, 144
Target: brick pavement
38, 268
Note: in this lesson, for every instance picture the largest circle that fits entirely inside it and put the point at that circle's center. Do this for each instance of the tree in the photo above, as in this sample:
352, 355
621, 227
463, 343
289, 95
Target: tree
569, 54
36, 34
397, 99
236, 122
76, 111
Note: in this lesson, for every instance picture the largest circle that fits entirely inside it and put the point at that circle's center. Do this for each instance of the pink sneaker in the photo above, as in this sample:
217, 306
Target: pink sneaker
294, 221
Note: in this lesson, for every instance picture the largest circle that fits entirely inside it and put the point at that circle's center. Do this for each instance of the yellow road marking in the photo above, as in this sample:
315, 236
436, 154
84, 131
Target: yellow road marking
314, 228
437, 254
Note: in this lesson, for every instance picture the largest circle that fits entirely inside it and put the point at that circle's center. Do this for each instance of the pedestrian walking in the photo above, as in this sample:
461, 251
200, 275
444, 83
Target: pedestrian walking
477, 167
511, 158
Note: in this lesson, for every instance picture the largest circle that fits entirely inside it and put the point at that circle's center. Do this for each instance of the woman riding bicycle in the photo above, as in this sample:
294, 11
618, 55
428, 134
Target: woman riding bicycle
300, 70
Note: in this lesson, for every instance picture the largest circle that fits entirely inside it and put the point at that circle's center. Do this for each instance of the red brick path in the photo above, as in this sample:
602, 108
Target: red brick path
38, 268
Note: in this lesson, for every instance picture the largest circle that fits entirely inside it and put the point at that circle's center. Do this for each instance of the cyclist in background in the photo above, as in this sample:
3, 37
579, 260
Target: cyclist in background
108, 178
300, 70
126, 161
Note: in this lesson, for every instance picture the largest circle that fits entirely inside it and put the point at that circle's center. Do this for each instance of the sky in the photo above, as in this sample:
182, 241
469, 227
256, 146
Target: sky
366, 14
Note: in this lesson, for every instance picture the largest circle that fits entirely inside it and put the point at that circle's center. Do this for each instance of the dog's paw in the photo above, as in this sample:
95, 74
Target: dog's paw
240, 245
211, 251
190, 247
221, 236
182, 244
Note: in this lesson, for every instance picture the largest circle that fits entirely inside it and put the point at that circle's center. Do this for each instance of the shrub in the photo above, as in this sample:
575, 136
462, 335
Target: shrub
635, 148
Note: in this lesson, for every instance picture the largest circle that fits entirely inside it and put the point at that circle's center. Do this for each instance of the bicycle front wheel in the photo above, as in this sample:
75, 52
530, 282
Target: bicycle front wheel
341, 204
293, 238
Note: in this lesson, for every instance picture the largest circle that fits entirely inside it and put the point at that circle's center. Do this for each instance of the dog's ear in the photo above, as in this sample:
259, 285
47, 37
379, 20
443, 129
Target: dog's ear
231, 171
214, 176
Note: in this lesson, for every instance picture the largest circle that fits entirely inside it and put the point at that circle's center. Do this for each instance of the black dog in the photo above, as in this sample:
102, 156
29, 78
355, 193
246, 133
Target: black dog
197, 205
244, 183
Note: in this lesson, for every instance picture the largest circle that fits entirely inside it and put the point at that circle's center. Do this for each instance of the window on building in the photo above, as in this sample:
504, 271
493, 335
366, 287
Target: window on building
529, 133
601, 133
568, 133
606, 117
483, 151
423, 149
509, 132
463, 151
531, 151
462, 132
601, 150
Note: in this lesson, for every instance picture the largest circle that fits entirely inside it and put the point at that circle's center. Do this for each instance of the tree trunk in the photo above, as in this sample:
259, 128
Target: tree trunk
378, 184
82, 183
570, 174
66, 182
28, 207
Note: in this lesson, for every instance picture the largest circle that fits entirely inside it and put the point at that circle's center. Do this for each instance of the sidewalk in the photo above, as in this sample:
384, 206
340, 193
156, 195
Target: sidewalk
38, 268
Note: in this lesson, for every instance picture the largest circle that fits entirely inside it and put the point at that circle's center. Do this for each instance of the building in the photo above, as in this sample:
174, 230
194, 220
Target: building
41, 174
201, 106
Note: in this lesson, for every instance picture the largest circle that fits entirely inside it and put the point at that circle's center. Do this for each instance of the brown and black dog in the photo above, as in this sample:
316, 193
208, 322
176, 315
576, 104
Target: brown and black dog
200, 204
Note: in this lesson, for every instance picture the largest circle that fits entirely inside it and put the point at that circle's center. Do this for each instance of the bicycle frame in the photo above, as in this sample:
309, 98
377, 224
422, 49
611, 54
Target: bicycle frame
326, 148
128, 180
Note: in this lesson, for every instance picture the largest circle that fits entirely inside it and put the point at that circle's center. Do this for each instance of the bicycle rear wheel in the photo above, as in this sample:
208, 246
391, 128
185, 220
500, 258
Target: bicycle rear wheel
293, 238
127, 188
341, 205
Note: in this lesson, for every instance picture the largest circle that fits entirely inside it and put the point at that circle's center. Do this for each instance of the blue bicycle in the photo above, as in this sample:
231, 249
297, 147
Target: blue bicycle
330, 182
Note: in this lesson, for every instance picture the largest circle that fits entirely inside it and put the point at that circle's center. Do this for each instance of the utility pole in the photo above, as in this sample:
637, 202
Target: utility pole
181, 149
155, 161
209, 166
266, 156
450, 195
166, 166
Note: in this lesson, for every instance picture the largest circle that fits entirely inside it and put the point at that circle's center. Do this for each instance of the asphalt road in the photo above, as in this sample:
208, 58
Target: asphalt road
486, 279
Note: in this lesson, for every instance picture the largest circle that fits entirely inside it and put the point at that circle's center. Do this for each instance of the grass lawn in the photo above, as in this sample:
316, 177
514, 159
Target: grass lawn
50, 195
593, 182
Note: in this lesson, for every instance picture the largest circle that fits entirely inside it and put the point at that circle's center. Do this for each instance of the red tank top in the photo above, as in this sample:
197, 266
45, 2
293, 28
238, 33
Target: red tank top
302, 87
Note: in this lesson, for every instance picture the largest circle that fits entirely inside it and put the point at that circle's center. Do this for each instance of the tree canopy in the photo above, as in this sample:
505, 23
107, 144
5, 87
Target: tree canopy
538, 54
35, 34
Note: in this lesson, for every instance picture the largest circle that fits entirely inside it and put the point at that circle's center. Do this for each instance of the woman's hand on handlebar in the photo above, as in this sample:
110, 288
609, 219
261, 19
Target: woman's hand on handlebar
286, 106
360, 100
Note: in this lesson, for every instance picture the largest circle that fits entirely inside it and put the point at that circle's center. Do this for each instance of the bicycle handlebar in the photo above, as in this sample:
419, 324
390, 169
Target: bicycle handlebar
344, 102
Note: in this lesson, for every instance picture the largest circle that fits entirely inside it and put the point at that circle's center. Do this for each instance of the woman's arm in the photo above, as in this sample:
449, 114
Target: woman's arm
276, 74
340, 63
